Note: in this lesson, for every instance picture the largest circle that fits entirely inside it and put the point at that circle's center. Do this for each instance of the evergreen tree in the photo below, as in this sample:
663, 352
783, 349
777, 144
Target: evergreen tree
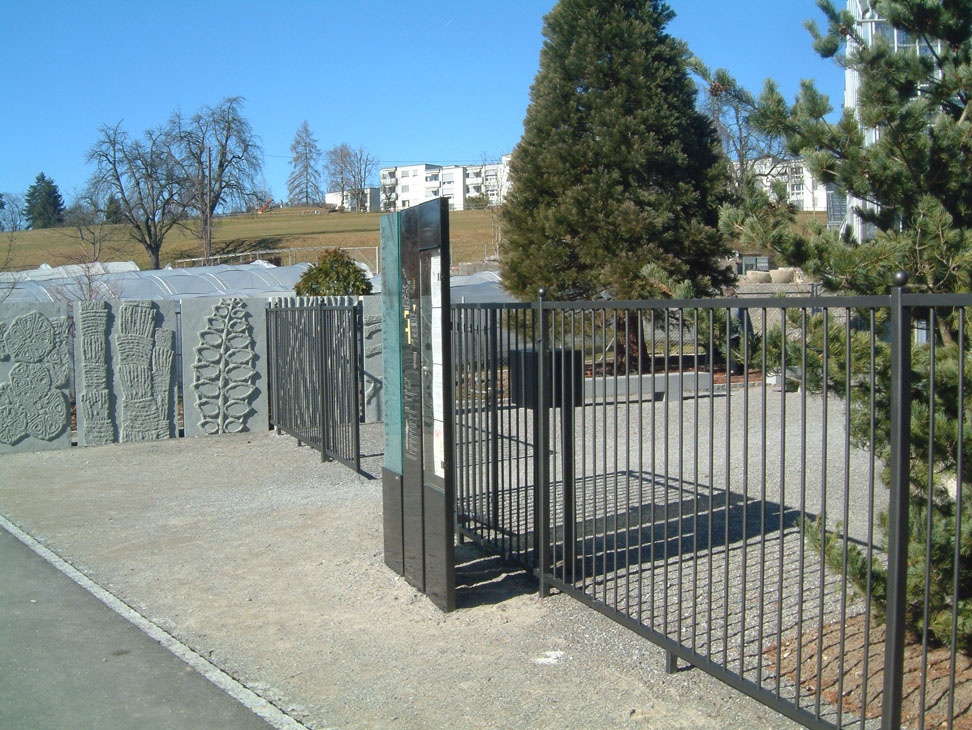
616, 168
904, 152
304, 183
43, 207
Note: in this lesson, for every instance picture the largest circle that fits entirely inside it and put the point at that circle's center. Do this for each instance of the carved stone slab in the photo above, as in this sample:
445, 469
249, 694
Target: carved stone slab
126, 365
224, 370
35, 374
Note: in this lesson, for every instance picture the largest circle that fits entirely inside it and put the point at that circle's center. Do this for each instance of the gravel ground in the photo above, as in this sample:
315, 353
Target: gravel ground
268, 562
712, 555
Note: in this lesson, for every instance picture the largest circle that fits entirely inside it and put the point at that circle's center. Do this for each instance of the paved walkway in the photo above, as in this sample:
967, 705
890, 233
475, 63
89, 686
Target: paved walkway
68, 661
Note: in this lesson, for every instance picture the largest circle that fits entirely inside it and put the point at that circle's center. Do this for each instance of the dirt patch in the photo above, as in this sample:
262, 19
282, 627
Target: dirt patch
858, 678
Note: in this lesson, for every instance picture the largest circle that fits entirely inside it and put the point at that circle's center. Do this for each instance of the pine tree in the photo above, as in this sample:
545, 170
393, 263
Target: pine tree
905, 153
304, 183
43, 206
616, 168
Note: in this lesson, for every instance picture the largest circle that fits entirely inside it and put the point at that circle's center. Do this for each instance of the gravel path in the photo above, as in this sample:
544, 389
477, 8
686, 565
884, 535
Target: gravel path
254, 553
694, 529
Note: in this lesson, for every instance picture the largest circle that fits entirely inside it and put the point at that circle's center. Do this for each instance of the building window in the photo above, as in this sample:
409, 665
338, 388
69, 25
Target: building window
836, 209
432, 178
448, 177
404, 188
404, 173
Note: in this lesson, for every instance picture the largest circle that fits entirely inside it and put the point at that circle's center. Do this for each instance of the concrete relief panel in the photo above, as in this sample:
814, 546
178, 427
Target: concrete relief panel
35, 372
95, 405
144, 351
125, 360
224, 365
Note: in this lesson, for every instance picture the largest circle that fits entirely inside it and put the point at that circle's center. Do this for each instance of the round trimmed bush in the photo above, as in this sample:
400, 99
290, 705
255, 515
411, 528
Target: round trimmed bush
335, 274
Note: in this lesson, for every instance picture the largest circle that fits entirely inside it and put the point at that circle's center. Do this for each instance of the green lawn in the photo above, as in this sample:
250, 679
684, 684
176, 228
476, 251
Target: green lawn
274, 230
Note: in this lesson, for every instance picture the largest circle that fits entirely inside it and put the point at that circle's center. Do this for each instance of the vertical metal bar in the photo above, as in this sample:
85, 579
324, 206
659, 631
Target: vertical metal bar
899, 464
782, 503
359, 386
695, 482
543, 477
870, 525
710, 354
321, 334
744, 331
958, 516
641, 465
762, 501
823, 504
845, 512
617, 505
803, 496
494, 422
727, 493
929, 512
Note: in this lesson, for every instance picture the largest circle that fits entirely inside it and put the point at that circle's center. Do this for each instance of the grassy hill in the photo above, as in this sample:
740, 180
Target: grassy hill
275, 230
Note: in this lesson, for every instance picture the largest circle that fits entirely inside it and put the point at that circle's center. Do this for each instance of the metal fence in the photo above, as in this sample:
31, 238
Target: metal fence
315, 389
367, 255
737, 480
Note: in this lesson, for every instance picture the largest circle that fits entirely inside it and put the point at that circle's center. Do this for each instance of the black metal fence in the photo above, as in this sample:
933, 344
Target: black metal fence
315, 390
769, 489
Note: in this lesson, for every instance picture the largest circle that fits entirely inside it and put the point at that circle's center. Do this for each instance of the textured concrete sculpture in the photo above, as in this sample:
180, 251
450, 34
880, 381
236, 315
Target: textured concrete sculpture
33, 401
96, 423
144, 371
223, 370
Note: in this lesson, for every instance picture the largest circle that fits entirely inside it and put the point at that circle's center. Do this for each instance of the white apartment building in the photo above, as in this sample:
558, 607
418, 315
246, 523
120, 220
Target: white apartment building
871, 26
407, 185
803, 191
368, 201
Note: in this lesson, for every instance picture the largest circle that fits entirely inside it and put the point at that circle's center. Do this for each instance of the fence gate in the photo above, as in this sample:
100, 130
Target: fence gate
315, 393
732, 480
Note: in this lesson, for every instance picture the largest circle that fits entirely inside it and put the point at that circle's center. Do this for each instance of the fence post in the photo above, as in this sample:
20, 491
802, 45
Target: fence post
900, 465
541, 451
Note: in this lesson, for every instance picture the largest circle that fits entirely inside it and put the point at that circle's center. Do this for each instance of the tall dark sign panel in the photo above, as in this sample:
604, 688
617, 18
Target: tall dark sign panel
418, 481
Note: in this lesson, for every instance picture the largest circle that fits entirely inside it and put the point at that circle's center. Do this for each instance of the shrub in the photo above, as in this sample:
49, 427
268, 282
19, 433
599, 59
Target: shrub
334, 274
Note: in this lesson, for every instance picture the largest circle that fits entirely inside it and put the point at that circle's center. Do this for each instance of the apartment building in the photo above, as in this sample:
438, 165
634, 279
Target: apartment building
366, 200
407, 185
871, 26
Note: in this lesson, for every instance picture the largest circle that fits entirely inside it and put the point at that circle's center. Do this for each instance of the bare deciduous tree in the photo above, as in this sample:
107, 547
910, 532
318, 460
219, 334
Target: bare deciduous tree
12, 221
728, 107
148, 180
350, 172
304, 183
336, 162
221, 160
361, 172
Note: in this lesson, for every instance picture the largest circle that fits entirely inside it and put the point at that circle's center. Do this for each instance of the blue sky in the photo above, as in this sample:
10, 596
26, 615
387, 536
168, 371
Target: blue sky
430, 81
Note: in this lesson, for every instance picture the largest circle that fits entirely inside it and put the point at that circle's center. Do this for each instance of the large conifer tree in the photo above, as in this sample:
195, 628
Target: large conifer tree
616, 168
43, 205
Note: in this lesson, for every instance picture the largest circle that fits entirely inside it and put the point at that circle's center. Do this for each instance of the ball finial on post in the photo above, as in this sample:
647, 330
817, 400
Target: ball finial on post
900, 278
542, 292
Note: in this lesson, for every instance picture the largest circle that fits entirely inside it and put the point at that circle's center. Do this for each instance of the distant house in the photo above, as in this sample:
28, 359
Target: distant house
814, 199
367, 200
464, 186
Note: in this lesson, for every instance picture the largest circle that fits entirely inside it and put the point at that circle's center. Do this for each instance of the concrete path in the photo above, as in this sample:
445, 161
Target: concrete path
68, 661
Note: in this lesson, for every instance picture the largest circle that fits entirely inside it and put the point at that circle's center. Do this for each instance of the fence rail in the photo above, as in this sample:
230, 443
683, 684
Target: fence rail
367, 255
736, 480
315, 389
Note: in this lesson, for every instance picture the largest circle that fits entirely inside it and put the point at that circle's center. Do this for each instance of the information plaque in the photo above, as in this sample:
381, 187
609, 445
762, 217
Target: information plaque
418, 475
